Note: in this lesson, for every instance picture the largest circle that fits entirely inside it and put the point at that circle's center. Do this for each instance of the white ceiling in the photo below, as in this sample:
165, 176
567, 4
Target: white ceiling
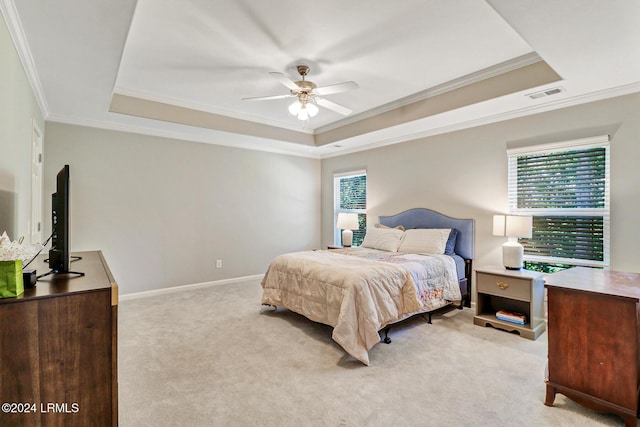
180, 68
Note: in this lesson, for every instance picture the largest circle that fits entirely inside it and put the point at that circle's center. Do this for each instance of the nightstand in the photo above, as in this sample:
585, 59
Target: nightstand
520, 291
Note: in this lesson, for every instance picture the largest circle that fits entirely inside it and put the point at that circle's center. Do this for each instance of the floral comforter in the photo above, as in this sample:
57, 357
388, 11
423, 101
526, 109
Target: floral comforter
359, 291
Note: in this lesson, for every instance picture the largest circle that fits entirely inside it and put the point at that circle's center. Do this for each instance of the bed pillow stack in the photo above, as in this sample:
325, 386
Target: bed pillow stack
384, 239
415, 241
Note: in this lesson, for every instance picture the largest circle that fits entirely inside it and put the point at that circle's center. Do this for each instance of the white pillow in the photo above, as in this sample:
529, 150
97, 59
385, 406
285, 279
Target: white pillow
384, 239
425, 240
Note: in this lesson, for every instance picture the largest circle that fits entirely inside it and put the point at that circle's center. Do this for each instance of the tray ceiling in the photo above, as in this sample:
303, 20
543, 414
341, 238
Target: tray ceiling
181, 68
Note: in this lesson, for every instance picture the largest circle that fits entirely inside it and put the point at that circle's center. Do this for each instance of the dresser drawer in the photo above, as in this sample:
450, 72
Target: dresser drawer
508, 287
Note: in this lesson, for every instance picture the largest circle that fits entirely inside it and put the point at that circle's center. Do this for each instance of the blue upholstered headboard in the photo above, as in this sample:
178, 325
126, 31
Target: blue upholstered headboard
426, 218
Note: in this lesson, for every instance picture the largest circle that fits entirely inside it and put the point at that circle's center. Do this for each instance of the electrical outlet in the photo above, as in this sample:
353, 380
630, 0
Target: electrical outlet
219, 263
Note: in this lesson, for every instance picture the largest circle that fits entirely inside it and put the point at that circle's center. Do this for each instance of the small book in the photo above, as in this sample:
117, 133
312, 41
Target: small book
511, 316
510, 320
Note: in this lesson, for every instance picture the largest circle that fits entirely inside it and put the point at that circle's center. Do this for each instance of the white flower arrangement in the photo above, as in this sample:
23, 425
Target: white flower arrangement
17, 250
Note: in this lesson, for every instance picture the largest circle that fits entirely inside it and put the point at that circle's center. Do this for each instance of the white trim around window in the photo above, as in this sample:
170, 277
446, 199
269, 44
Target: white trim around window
562, 199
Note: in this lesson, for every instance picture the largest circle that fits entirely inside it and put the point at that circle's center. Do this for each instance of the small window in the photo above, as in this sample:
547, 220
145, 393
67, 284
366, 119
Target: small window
350, 195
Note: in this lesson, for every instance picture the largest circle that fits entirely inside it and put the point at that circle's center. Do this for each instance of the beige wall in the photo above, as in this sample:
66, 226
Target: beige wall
163, 211
464, 174
18, 111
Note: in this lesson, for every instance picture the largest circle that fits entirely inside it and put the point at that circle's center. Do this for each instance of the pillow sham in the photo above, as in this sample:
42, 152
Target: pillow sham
384, 239
399, 227
450, 247
425, 240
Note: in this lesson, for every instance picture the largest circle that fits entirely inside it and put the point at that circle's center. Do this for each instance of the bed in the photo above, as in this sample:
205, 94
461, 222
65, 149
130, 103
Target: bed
415, 262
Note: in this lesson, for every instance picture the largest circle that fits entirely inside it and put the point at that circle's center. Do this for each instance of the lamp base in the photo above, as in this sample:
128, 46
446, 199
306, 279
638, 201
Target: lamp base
512, 255
347, 238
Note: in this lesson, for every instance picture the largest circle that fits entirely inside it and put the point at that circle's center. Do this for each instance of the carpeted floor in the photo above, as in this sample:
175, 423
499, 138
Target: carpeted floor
214, 356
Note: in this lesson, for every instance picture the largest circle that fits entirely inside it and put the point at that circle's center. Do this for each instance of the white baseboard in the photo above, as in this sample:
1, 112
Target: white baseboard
155, 292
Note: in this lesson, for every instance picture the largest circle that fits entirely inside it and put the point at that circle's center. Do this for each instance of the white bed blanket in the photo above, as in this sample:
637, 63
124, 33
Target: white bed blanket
359, 295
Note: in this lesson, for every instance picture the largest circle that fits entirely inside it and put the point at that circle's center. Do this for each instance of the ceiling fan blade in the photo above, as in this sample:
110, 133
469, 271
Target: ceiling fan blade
266, 98
285, 80
337, 88
333, 106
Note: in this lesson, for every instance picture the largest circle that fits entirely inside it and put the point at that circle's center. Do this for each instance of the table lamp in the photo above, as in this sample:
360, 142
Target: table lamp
347, 222
512, 226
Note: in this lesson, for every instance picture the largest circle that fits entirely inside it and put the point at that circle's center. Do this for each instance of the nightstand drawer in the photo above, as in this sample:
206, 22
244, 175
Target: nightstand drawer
508, 287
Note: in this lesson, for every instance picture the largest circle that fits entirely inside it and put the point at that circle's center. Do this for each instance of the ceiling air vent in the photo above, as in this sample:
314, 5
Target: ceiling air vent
546, 92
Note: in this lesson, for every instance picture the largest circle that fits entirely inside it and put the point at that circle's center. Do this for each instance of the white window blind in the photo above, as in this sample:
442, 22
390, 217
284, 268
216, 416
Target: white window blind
350, 195
565, 187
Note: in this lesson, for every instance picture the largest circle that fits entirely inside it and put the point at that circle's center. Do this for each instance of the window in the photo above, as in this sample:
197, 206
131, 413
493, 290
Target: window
565, 187
350, 195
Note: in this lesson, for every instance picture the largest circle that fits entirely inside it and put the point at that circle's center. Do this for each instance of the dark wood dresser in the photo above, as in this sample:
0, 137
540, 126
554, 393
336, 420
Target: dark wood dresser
58, 349
593, 332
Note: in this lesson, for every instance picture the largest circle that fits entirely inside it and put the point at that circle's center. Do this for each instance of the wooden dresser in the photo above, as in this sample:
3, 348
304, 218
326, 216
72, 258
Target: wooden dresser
593, 334
58, 349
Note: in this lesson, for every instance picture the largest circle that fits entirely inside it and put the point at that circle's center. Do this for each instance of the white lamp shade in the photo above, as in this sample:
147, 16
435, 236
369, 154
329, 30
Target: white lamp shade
498, 225
512, 225
518, 226
347, 221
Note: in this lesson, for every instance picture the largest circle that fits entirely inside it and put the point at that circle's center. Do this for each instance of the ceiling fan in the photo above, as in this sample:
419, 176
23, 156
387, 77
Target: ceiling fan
308, 94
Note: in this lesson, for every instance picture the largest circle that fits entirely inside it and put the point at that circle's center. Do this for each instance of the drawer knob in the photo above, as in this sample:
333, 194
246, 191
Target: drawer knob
502, 285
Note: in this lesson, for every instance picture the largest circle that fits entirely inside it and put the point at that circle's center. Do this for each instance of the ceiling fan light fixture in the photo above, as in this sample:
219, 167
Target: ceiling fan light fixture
303, 111
308, 95
303, 114
312, 110
294, 108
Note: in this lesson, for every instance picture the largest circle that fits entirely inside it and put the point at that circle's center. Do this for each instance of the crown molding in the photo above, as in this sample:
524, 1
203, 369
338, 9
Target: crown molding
16, 32
321, 152
207, 109
487, 73
478, 76
216, 138
522, 112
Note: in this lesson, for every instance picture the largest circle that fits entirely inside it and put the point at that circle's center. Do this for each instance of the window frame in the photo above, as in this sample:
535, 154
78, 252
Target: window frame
604, 212
337, 233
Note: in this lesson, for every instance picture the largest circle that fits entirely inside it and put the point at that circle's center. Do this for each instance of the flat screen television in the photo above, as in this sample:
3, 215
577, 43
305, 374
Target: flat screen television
59, 255
59, 252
